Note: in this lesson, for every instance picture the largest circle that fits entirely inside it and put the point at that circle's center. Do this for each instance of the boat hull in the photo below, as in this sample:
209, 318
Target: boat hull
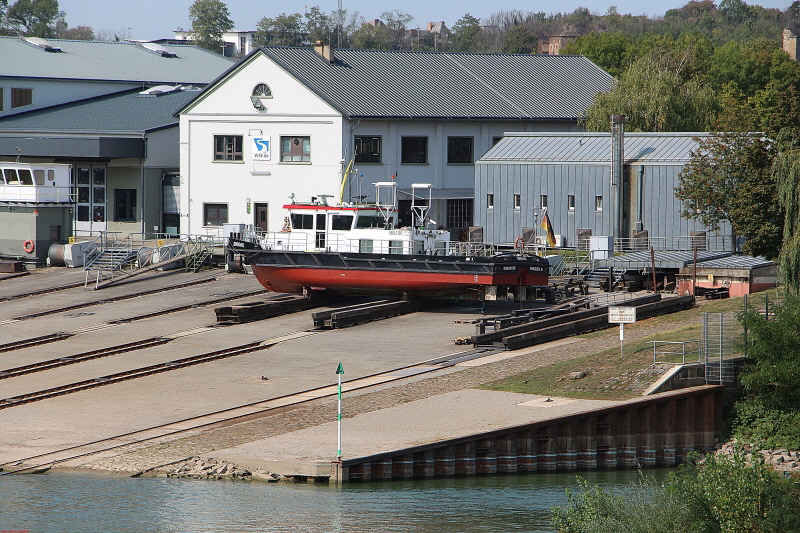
426, 276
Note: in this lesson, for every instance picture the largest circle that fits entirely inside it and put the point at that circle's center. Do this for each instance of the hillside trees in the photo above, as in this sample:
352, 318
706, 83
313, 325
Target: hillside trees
659, 92
210, 19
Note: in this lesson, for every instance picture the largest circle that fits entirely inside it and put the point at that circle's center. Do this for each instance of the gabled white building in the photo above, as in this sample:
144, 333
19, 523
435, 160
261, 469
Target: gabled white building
286, 121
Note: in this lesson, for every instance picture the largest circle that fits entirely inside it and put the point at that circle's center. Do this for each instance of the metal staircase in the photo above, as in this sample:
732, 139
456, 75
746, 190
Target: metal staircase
599, 276
198, 251
110, 260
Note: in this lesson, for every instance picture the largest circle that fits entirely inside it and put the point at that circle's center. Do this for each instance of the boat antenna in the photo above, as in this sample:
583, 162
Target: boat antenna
420, 210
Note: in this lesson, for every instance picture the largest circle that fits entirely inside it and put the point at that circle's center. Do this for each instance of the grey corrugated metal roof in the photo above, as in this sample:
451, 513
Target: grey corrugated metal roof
126, 112
592, 147
108, 60
663, 259
384, 83
744, 262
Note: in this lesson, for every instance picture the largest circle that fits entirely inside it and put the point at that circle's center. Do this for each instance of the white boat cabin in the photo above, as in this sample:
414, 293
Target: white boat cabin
362, 228
36, 183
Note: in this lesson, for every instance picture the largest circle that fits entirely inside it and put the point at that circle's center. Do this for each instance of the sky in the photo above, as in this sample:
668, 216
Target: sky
154, 19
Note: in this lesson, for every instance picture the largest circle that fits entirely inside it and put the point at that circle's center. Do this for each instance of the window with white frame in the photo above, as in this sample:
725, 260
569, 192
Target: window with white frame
295, 149
598, 203
228, 148
490, 201
571, 202
517, 201
543, 201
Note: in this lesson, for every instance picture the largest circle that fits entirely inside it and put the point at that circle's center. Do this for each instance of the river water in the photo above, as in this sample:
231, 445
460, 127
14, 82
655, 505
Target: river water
63, 503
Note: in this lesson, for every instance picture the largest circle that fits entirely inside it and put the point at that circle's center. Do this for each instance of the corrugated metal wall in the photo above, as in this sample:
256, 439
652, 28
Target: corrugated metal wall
661, 213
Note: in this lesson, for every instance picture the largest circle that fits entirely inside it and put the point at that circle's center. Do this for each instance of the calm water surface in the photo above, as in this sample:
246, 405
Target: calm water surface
61, 503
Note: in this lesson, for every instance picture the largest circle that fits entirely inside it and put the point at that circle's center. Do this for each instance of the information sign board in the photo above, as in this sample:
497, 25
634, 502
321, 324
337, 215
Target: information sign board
622, 315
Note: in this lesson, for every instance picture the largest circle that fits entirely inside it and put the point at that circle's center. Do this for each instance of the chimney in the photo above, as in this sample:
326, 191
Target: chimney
617, 164
325, 50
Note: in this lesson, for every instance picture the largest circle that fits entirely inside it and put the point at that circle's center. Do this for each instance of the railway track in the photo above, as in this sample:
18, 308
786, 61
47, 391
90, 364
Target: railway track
236, 414
131, 374
81, 357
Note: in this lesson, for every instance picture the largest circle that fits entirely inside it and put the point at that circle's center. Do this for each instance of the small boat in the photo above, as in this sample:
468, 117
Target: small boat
359, 249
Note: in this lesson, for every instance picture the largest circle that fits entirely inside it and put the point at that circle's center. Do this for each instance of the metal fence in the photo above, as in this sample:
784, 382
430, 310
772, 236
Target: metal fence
720, 334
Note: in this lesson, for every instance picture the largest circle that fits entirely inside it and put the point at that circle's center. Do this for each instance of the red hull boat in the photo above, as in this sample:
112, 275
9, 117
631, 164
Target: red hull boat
424, 276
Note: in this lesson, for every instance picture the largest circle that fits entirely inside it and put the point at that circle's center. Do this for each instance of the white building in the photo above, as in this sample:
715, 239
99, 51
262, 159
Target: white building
286, 121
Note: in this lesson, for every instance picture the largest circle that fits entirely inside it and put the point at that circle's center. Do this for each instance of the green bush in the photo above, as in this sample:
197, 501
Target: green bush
723, 494
766, 426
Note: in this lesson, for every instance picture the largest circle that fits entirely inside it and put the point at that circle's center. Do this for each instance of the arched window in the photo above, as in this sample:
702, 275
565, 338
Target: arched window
262, 90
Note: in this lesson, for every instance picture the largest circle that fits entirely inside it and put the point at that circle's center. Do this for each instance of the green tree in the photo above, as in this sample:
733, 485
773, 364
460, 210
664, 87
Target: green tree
372, 37
319, 26
210, 19
786, 173
35, 18
465, 34
518, 40
611, 51
656, 93
283, 30
728, 179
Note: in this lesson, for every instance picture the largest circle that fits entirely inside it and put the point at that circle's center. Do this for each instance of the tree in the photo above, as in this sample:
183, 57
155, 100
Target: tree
657, 93
35, 18
396, 22
728, 179
283, 30
518, 40
78, 33
372, 37
611, 51
319, 26
465, 33
786, 173
210, 19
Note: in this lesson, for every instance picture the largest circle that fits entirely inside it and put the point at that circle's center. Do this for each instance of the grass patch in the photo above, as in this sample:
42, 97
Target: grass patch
610, 374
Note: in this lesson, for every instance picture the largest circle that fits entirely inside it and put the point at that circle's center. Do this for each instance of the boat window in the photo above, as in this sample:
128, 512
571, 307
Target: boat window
25, 177
302, 221
11, 176
341, 222
365, 246
38, 175
369, 221
395, 247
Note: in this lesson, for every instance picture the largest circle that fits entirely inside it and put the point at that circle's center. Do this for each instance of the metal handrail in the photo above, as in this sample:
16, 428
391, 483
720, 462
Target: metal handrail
657, 354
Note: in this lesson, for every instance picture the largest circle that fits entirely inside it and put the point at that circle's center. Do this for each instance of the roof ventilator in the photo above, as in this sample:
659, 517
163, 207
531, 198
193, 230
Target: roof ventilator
43, 43
158, 49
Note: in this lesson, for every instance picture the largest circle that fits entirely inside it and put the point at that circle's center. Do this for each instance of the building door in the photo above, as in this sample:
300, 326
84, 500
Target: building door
261, 217
89, 182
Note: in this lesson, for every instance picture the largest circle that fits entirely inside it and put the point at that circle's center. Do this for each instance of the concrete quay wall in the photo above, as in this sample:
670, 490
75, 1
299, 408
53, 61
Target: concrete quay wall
658, 430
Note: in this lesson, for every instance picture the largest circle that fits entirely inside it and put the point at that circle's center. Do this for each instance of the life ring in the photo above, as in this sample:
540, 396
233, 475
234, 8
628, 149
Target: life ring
28, 246
519, 243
